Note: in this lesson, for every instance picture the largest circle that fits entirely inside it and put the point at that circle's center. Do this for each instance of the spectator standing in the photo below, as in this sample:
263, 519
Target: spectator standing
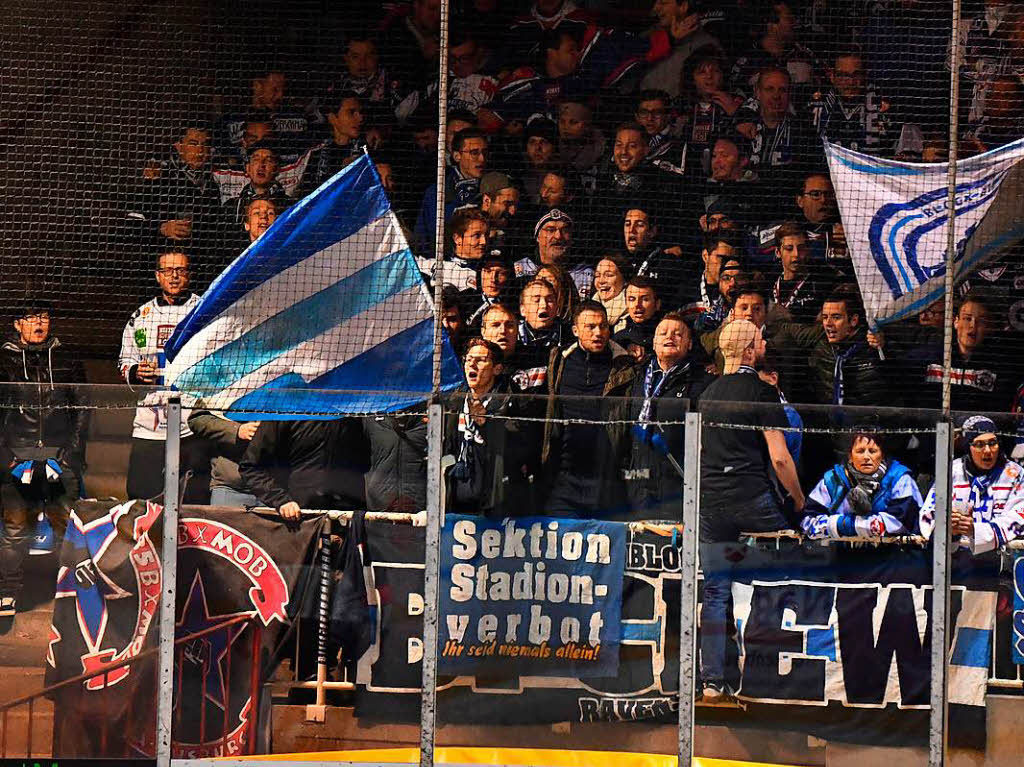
669, 382
493, 472
42, 442
462, 182
295, 465
227, 441
261, 172
554, 234
582, 459
142, 363
179, 203
738, 491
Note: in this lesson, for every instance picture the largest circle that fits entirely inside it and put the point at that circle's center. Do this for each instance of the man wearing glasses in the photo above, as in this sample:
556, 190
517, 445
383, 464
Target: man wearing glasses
142, 363
42, 444
987, 494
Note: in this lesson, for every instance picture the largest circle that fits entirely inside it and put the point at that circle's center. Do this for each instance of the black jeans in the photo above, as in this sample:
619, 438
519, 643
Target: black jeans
719, 529
21, 505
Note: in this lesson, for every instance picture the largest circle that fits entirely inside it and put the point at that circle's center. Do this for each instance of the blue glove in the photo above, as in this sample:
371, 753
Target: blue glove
815, 527
19, 470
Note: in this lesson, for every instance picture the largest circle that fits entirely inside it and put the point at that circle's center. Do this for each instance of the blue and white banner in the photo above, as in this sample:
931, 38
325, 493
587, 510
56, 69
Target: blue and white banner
896, 219
326, 314
535, 596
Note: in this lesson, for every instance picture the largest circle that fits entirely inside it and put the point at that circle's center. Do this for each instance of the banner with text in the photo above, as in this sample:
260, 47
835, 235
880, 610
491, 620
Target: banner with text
539, 595
834, 641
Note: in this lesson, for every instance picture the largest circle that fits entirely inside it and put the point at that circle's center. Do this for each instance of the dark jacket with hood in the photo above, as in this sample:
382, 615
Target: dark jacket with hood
43, 420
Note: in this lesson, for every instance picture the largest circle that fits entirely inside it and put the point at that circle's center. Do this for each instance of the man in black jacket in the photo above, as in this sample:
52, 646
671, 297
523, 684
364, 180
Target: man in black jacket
295, 465
662, 391
42, 441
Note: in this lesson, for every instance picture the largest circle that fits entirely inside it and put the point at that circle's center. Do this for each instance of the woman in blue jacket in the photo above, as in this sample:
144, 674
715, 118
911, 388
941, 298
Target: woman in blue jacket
868, 496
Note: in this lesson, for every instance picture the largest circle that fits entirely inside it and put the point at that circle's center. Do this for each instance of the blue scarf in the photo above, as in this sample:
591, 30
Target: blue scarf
652, 387
838, 389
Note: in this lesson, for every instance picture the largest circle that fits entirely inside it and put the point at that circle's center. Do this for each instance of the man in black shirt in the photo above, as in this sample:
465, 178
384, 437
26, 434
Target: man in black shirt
738, 492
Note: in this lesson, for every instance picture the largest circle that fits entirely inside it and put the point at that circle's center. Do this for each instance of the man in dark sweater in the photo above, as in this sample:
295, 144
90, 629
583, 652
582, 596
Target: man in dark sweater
582, 460
738, 490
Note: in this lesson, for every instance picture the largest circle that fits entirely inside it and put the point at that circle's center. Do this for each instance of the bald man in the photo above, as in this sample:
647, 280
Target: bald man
738, 488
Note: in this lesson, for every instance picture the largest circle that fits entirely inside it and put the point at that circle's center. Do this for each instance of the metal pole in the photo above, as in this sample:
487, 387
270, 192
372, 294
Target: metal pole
954, 139
431, 567
688, 587
442, 170
169, 570
938, 716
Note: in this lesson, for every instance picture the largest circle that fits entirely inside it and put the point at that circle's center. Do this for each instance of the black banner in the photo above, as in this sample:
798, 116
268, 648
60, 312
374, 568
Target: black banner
832, 642
235, 568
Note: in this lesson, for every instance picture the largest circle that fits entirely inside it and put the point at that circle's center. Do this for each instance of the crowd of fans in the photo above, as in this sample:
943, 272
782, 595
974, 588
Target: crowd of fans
638, 221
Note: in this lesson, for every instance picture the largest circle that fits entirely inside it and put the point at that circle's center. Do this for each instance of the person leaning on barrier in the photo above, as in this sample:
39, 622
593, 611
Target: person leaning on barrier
986, 492
226, 442
868, 496
738, 491
668, 382
493, 472
42, 446
295, 465
582, 456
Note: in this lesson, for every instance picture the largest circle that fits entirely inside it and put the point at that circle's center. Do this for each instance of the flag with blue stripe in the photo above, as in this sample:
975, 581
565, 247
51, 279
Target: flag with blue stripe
896, 219
325, 315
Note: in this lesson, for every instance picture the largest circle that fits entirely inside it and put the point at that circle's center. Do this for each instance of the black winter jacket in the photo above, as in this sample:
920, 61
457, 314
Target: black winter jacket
42, 417
317, 464
397, 478
653, 485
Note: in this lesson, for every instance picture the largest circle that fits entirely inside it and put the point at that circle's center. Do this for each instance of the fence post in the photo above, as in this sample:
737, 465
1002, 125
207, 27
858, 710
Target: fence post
954, 142
938, 715
169, 570
688, 587
439, 200
431, 572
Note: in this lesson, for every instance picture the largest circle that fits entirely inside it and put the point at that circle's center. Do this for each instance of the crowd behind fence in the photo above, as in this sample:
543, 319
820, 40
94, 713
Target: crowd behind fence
636, 222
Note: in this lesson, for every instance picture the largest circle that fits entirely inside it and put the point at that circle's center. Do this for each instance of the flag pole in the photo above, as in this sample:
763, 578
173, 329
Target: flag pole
954, 140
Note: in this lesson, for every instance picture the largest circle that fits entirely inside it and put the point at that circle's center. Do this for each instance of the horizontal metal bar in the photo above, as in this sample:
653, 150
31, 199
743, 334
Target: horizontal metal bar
312, 684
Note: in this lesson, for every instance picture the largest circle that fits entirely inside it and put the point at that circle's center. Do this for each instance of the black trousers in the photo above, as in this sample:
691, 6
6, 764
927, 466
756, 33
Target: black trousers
21, 506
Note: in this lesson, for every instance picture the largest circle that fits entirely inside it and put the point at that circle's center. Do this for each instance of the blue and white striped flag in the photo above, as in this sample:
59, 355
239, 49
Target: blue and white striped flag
326, 314
895, 215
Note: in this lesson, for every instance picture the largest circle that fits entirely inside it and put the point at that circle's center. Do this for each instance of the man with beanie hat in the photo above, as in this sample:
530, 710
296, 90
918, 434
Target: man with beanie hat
987, 492
738, 490
553, 234
42, 445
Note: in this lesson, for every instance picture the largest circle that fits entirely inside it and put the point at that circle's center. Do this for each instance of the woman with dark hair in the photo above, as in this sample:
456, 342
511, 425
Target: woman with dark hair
987, 492
610, 277
867, 496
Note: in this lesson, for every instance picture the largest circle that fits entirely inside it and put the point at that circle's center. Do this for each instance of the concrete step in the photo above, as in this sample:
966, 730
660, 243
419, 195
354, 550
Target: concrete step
108, 456
105, 484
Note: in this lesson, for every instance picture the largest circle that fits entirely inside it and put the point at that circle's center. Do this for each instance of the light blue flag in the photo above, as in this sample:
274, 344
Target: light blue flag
896, 219
324, 315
